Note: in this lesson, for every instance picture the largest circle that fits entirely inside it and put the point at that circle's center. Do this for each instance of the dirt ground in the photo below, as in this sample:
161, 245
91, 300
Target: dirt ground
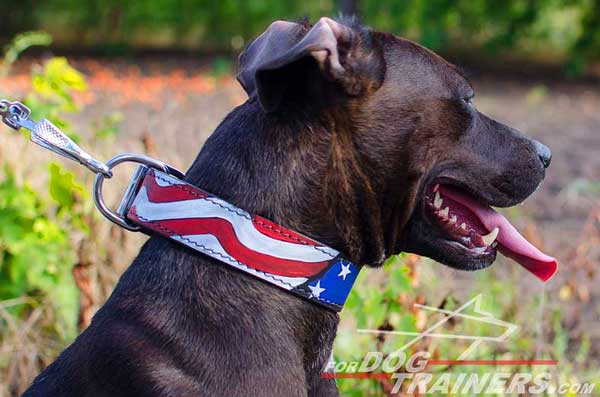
169, 108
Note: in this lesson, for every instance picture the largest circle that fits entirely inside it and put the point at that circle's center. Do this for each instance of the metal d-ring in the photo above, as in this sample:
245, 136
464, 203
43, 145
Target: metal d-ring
119, 217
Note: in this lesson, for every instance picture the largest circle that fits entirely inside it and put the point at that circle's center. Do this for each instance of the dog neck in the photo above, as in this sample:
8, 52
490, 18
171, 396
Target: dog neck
300, 169
285, 169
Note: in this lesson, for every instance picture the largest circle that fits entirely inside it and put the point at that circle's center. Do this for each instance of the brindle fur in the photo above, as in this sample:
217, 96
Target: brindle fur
342, 160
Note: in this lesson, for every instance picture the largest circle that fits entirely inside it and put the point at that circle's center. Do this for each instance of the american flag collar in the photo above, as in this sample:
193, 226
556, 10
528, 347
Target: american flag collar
165, 205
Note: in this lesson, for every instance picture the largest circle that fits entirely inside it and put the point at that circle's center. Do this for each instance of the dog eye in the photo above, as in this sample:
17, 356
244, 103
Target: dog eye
468, 100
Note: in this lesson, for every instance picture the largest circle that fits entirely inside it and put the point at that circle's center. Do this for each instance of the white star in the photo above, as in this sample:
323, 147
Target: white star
316, 290
345, 271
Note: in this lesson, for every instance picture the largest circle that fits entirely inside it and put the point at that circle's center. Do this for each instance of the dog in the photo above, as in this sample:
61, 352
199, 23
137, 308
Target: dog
350, 136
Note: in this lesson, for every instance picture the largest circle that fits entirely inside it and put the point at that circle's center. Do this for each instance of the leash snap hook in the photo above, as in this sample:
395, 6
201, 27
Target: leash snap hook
119, 216
45, 134
15, 114
48, 136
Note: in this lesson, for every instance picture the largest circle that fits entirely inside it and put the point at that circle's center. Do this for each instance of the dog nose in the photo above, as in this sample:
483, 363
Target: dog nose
543, 152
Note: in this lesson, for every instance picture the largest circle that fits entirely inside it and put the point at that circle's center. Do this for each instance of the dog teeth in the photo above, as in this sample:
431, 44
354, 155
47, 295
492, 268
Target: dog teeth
489, 238
453, 219
436, 187
445, 212
463, 226
437, 201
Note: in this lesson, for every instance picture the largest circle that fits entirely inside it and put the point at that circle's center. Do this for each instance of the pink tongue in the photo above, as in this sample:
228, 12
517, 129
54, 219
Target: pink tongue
511, 243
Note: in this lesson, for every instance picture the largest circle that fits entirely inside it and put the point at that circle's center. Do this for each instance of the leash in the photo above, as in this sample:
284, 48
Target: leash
157, 201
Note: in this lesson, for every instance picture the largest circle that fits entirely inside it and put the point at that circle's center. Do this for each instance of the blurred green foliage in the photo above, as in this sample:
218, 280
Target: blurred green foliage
108, 126
36, 254
567, 29
374, 305
19, 44
52, 94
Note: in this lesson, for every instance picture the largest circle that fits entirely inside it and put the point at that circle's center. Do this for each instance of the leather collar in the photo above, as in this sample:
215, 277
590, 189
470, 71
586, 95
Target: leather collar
170, 207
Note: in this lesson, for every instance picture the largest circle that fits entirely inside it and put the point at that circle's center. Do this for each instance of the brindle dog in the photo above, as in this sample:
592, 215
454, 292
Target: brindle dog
345, 130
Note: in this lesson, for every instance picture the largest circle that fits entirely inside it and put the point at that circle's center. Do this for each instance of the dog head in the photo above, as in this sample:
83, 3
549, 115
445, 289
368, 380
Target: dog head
411, 164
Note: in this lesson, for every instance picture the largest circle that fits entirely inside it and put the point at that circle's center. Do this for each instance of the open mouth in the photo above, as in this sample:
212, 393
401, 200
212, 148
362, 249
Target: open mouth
476, 230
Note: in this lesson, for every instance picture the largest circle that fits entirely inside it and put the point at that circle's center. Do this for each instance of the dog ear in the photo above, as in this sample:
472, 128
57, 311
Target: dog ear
284, 43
